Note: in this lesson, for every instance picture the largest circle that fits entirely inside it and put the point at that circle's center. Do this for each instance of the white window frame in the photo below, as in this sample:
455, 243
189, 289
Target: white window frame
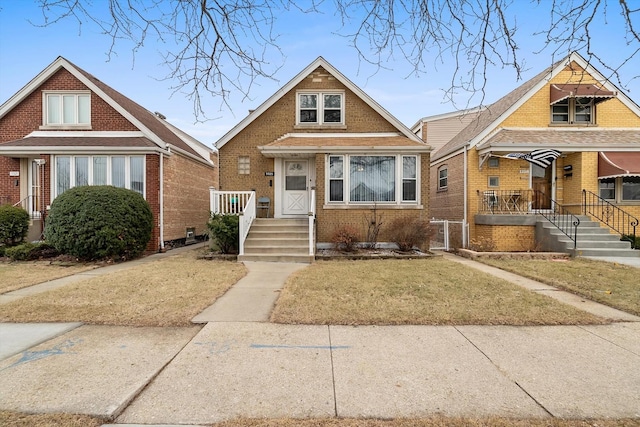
445, 169
618, 191
72, 171
346, 180
76, 123
572, 113
320, 108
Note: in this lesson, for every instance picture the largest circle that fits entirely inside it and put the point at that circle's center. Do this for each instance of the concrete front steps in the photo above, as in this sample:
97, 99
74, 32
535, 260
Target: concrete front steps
592, 240
277, 240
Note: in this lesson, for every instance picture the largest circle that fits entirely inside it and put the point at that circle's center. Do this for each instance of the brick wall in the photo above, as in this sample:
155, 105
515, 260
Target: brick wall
449, 203
186, 196
504, 238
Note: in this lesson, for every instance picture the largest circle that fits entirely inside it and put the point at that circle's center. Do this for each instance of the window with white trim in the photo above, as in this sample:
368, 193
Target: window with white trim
67, 109
443, 177
320, 108
365, 179
119, 171
573, 111
620, 189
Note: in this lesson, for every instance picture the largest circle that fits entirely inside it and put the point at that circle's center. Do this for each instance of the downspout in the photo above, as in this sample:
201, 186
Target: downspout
161, 202
465, 238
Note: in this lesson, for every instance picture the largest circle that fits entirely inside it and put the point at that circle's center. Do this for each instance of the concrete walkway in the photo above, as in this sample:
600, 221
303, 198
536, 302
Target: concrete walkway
237, 364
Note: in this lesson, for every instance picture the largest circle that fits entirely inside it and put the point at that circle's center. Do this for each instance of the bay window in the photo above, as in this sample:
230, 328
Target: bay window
119, 171
367, 179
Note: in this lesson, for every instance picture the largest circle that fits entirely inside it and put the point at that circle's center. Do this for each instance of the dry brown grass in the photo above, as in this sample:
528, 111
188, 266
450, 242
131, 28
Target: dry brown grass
167, 292
18, 275
612, 284
13, 419
420, 292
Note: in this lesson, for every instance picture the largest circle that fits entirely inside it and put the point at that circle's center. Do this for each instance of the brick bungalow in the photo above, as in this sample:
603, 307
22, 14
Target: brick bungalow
66, 128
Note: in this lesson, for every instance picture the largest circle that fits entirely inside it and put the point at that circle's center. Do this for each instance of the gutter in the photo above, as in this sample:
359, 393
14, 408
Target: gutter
161, 201
465, 191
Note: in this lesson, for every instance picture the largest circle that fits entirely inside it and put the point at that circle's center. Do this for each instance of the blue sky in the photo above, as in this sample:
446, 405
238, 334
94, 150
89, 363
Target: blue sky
26, 49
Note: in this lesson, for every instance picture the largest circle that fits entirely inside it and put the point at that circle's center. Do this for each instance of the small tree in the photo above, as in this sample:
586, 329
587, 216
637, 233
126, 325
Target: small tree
224, 231
96, 222
14, 225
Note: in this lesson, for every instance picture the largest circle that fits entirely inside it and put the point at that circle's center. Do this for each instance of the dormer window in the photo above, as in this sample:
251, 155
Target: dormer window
67, 109
320, 108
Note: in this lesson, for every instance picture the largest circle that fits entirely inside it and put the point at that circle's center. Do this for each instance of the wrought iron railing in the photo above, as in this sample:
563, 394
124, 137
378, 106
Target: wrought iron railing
610, 215
499, 202
563, 219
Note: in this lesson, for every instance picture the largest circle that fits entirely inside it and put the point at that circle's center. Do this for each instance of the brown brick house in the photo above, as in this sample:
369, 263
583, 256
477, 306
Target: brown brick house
66, 128
591, 129
322, 151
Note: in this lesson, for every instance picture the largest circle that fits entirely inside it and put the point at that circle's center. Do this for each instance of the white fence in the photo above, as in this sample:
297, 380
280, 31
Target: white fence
448, 235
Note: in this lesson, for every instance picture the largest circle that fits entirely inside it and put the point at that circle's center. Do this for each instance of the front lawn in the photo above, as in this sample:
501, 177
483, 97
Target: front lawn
166, 292
431, 291
615, 285
20, 274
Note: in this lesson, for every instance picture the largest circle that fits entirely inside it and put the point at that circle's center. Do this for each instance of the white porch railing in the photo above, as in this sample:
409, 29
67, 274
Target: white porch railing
228, 202
247, 216
312, 219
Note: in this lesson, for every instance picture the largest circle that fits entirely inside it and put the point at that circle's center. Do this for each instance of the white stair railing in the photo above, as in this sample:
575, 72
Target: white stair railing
247, 216
312, 217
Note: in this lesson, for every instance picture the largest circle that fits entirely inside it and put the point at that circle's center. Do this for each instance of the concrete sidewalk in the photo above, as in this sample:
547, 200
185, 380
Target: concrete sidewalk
238, 365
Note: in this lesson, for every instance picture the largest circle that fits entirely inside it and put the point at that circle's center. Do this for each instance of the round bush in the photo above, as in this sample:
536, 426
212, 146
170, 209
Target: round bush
97, 222
14, 224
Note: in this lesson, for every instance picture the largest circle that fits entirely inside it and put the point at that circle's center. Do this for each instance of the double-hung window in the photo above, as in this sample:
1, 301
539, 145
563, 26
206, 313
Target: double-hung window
67, 109
366, 179
119, 171
621, 189
443, 178
320, 108
573, 111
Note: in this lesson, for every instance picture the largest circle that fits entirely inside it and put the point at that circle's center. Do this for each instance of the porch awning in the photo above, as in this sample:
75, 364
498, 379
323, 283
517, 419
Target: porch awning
574, 90
618, 163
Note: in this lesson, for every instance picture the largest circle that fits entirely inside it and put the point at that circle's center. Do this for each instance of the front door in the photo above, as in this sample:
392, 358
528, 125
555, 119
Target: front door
296, 198
35, 189
541, 183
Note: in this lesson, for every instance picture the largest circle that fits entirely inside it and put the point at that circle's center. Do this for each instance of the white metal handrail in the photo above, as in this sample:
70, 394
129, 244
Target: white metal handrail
247, 216
312, 217
30, 204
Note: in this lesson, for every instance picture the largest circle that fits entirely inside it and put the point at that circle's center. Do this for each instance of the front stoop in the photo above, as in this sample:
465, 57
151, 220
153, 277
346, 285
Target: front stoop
277, 240
592, 240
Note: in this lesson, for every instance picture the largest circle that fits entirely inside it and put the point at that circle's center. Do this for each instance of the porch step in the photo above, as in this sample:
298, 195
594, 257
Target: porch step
592, 240
277, 240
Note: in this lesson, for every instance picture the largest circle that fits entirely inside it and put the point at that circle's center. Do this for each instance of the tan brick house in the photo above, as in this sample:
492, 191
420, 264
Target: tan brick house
322, 151
66, 128
482, 176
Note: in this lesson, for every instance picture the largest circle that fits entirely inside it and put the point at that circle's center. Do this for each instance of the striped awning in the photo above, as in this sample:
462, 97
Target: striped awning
619, 163
575, 90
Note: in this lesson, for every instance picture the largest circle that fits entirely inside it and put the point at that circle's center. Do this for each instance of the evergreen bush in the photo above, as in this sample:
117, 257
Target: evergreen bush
98, 222
224, 231
14, 225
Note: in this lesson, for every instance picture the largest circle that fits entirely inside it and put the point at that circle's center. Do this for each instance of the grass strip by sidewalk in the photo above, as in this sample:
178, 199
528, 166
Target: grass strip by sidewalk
13, 419
21, 274
608, 283
416, 292
166, 292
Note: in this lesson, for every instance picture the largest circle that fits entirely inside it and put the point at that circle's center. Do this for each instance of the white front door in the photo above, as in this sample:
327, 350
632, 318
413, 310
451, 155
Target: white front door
296, 197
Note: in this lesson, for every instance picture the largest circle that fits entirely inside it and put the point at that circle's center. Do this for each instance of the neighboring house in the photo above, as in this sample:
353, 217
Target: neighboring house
481, 176
66, 128
441, 128
321, 149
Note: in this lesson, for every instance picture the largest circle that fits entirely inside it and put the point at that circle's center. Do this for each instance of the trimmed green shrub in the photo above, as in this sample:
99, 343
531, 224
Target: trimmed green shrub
224, 231
98, 222
14, 224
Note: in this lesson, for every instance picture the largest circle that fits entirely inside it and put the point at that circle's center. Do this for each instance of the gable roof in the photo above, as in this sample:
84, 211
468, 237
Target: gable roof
319, 62
497, 112
155, 129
